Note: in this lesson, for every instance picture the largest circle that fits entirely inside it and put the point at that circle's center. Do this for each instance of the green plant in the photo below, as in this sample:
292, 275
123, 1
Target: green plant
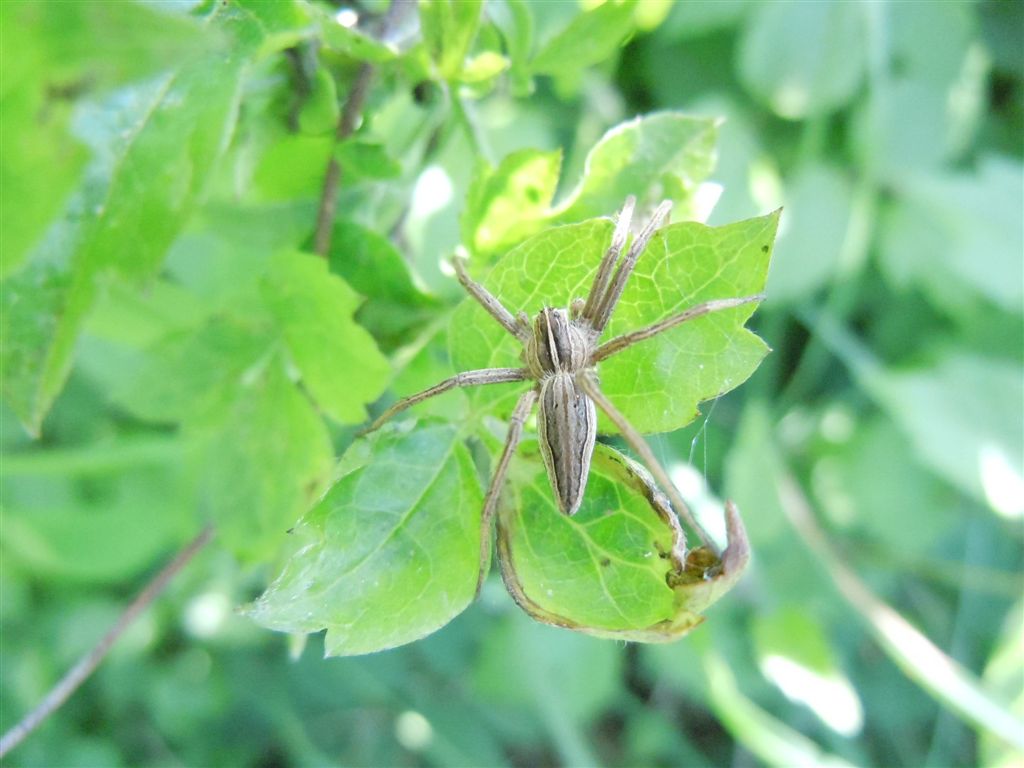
226, 231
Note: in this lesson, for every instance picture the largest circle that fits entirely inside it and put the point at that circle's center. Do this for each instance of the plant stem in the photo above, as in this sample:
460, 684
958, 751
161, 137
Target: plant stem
79, 673
350, 115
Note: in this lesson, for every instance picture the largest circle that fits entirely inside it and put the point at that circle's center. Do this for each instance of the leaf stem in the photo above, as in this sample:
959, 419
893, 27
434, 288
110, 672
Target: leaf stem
79, 673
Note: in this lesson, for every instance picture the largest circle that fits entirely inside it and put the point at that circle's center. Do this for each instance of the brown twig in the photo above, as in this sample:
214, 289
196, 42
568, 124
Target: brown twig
88, 663
350, 115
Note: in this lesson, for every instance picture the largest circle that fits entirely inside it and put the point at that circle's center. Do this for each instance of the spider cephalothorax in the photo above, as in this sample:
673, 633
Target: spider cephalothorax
561, 352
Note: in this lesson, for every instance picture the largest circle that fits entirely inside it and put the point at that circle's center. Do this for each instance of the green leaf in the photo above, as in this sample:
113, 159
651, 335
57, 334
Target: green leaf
292, 167
657, 156
818, 202
590, 38
41, 311
618, 568
483, 66
350, 41
449, 27
268, 461
365, 160
514, 18
391, 553
803, 59
97, 540
148, 180
657, 383
194, 376
959, 236
510, 202
338, 360
319, 114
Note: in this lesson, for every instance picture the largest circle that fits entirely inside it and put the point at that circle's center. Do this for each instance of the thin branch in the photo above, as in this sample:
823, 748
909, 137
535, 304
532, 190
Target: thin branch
332, 179
88, 663
350, 115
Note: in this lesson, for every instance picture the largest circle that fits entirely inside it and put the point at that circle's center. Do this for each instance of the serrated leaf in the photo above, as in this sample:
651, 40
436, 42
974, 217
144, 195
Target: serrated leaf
338, 359
391, 553
618, 567
656, 156
510, 202
268, 461
590, 38
449, 27
366, 160
803, 59
657, 383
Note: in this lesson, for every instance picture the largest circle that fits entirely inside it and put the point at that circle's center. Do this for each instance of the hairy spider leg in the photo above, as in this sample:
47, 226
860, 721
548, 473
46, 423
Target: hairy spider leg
514, 325
515, 433
614, 292
464, 379
588, 383
611, 256
619, 343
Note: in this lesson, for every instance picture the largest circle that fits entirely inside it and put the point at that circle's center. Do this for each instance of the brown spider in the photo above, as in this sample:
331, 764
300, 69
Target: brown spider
561, 353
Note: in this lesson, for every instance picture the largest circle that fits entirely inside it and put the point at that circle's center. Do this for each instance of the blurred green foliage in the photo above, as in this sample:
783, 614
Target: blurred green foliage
171, 354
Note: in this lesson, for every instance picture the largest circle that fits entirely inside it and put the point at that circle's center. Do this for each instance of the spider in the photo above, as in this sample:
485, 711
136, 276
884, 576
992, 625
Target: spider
561, 351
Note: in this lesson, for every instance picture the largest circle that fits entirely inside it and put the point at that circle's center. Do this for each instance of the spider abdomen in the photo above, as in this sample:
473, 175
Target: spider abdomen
567, 428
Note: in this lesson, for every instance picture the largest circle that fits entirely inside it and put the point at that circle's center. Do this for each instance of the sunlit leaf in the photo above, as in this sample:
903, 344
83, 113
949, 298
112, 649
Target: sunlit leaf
618, 567
391, 553
656, 156
338, 360
449, 27
510, 202
657, 383
591, 37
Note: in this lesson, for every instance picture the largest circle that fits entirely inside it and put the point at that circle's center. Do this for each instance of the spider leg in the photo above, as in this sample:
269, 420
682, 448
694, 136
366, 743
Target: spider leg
588, 383
488, 301
515, 433
614, 293
620, 343
604, 271
464, 379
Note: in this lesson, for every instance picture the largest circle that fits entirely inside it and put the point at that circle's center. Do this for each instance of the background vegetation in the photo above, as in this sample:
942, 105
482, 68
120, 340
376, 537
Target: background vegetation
157, 159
